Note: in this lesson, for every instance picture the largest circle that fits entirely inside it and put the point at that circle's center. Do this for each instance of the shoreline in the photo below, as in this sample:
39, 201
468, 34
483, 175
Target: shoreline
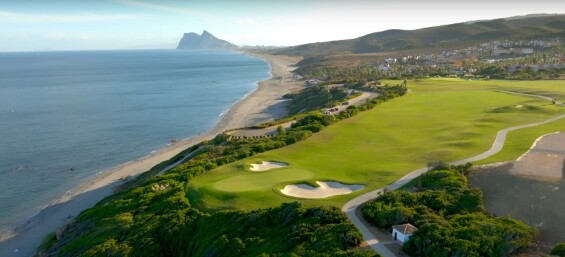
263, 104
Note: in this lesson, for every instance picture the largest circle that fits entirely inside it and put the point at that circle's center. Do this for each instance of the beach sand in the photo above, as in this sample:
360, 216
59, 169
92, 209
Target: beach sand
262, 105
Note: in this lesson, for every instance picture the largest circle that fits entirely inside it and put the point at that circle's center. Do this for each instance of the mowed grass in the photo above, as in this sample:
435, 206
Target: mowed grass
435, 122
549, 88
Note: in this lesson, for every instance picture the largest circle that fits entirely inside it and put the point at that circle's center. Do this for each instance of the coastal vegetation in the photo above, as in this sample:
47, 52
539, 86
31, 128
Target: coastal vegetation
314, 97
450, 217
161, 223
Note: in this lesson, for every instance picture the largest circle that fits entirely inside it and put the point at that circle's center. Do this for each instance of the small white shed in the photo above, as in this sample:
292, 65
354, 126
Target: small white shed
403, 232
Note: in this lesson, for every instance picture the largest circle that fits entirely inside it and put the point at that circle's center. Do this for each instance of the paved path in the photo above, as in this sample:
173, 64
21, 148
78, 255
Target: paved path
179, 162
350, 207
538, 96
269, 131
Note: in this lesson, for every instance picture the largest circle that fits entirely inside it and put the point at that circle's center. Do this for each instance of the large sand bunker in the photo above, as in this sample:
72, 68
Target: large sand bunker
326, 189
544, 159
267, 165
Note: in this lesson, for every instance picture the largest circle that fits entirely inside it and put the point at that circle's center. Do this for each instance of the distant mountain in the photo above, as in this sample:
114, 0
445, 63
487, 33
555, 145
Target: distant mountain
205, 41
452, 35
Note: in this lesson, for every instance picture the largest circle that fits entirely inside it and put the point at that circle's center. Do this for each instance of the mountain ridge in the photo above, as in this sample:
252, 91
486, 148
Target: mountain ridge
394, 40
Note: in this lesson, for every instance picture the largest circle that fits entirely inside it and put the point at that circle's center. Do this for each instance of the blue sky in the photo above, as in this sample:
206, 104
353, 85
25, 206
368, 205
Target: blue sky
32, 25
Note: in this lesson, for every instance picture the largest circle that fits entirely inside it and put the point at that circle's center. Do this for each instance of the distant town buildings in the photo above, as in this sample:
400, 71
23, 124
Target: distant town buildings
312, 82
512, 55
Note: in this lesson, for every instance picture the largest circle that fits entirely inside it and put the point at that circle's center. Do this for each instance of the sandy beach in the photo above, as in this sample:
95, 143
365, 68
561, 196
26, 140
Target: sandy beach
262, 105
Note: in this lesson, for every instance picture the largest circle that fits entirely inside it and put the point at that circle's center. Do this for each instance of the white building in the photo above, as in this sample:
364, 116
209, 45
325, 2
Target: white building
497, 52
403, 232
527, 50
312, 82
383, 67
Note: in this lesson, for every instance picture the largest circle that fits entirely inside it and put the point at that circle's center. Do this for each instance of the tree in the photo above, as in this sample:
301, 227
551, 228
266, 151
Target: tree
281, 130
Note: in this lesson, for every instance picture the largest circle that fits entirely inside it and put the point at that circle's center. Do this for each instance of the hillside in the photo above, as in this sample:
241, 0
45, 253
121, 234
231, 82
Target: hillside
452, 35
205, 41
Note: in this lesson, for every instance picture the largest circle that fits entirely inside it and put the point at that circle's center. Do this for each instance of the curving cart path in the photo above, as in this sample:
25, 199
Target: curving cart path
351, 207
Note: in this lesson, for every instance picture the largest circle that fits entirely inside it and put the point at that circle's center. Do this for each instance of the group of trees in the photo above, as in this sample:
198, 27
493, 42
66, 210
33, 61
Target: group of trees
450, 217
315, 97
154, 216
289, 230
386, 91
499, 71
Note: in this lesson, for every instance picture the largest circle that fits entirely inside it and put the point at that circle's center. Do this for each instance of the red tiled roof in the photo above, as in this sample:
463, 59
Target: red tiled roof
405, 228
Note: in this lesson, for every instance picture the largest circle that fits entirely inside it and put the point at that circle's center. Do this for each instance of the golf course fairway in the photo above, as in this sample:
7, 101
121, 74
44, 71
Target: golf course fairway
441, 119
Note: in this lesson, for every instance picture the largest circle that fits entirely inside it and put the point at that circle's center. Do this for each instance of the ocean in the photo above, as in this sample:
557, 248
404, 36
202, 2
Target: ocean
67, 116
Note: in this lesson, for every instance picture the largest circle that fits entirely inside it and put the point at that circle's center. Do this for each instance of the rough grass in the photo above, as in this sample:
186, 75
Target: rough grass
441, 120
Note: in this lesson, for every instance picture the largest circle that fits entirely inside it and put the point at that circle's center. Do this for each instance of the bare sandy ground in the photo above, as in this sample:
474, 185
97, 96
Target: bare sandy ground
263, 104
530, 189
325, 190
267, 165
534, 201
544, 160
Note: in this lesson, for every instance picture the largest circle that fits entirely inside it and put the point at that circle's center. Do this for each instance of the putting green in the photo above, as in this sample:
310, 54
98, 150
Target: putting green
440, 120
253, 181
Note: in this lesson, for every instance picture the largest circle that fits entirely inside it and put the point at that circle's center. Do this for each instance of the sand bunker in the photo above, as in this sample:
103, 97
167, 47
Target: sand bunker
326, 189
544, 160
267, 165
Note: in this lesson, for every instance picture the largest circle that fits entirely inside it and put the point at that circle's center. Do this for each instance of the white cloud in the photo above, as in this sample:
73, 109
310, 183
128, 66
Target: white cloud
45, 18
247, 22
159, 7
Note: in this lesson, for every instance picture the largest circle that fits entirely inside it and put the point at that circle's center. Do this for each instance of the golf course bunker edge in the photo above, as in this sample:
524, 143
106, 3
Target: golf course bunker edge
267, 165
325, 189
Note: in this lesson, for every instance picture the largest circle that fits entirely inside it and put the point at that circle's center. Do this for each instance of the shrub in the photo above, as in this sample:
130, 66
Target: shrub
559, 250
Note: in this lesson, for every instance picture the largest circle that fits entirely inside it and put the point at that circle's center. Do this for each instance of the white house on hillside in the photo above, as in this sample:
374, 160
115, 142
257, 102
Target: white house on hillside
403, 232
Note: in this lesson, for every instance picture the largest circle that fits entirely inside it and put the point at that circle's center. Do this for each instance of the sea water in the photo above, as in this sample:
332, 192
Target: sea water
67, 116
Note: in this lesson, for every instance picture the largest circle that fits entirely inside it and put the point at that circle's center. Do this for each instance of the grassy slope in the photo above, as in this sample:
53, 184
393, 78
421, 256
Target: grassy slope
441, 119
452, 36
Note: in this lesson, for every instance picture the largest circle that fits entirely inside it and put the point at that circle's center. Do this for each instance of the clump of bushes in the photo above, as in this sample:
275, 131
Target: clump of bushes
450, 217
559, 250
